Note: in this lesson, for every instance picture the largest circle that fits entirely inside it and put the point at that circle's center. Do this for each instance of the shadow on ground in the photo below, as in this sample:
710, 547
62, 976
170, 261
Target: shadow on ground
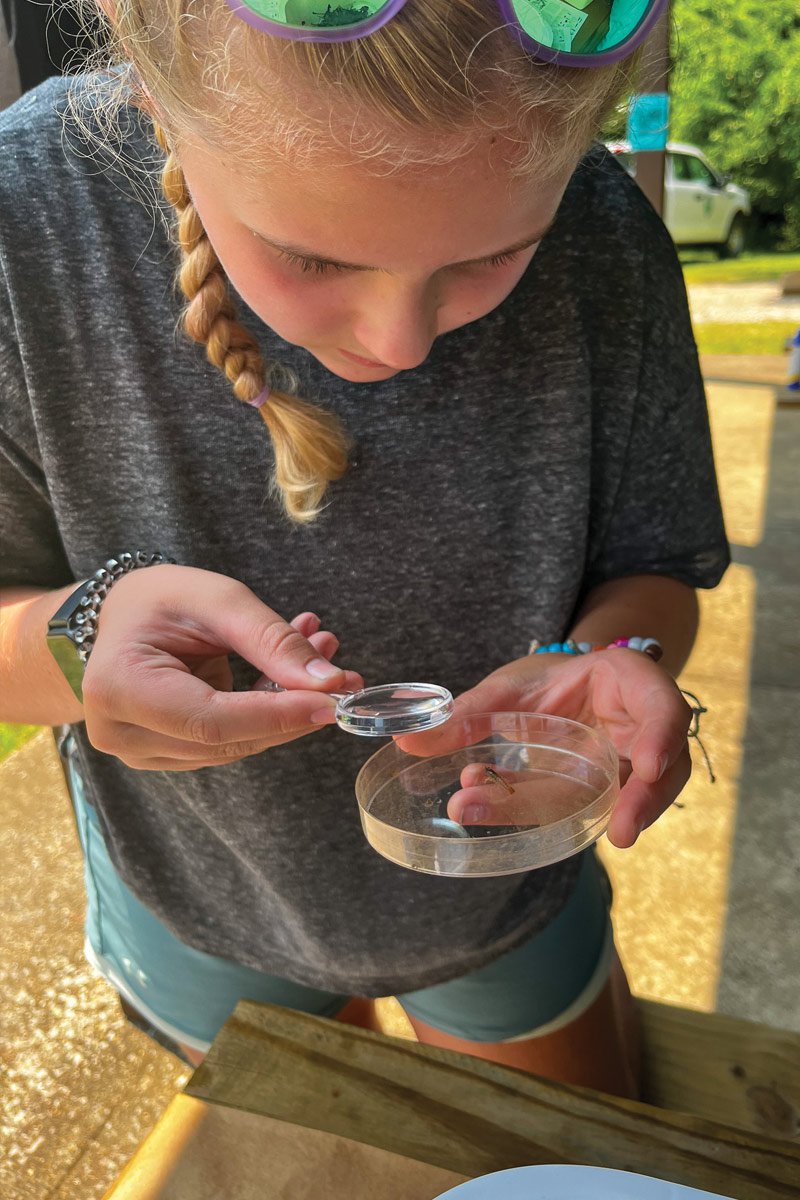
761, 957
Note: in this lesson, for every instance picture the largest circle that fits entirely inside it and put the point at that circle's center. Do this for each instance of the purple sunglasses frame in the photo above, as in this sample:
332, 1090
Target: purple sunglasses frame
545, 53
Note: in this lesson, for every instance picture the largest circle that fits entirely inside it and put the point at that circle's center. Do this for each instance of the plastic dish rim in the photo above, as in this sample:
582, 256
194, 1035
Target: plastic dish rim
613, 783
446, 697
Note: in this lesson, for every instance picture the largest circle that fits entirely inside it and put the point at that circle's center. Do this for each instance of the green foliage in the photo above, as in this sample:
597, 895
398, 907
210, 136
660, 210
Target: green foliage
703, 266
735, 94
14, 736
757, 337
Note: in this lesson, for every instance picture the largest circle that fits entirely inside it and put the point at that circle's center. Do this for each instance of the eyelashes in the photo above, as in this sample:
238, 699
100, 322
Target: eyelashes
316, 266
319, 266
500, 260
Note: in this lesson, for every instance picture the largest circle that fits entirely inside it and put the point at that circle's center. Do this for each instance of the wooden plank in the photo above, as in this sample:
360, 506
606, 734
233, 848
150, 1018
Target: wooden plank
470, 1116
714, 1066
201, 1151
721, 1068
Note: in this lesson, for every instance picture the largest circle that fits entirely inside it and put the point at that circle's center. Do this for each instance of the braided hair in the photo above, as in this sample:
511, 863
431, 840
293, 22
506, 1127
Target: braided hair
309, 444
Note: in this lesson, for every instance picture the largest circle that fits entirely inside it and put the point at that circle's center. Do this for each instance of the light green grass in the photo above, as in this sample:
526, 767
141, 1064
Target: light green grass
758, 337
14, 736
703, 266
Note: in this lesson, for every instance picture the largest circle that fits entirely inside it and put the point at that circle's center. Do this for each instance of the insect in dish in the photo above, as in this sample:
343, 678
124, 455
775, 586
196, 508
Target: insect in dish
493, 777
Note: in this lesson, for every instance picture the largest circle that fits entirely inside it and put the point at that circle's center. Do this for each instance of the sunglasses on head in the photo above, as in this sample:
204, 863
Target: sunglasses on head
573, 33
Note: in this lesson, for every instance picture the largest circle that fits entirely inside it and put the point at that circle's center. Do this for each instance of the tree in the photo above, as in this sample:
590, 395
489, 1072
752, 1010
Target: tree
736, 94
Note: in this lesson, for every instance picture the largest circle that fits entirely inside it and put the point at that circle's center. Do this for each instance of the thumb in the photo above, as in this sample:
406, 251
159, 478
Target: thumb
262, 637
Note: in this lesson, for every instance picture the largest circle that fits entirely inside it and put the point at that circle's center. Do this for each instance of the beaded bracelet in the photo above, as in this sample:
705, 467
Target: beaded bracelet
649, 646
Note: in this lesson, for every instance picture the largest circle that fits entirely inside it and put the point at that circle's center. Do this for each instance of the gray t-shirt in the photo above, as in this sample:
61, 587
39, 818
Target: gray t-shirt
559, 441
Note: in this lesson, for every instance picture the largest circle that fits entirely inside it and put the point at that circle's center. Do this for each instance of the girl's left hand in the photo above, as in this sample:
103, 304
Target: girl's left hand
636, 703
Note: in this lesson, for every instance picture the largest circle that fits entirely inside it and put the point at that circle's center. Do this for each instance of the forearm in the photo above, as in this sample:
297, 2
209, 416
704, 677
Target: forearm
32, 689
642, 606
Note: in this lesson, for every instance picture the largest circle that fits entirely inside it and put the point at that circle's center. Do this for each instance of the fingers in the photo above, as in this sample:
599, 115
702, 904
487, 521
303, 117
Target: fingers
513, 688
353, 682
164, 697
184, 610
641, 803
525, 798
653, 741
486, 796
661, 737
158, 686
491, 795
484, 801
236, 616
325, 642
306, 623
451, 735
145, 750
178, 764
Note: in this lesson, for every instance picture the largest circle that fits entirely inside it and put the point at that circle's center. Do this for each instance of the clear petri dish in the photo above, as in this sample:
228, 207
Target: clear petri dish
491, 794
387, 710
391, 709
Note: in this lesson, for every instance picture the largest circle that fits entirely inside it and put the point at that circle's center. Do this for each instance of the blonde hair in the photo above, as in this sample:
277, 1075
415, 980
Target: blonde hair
420, 92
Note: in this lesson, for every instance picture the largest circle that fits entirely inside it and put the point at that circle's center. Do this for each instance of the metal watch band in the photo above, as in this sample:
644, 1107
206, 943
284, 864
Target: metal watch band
84, 621
71, 632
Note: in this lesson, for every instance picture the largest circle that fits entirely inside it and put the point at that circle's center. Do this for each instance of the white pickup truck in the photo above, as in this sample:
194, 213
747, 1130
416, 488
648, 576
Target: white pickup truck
701, 206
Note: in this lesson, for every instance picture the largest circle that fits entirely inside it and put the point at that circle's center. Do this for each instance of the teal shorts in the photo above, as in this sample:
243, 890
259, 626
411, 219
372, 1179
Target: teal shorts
185, 995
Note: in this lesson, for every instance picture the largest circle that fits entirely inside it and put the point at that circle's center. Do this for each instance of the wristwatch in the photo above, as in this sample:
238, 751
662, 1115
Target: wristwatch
72, 630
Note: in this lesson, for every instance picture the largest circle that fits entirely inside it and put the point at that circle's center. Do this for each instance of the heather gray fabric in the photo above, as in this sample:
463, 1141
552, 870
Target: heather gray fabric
559, 441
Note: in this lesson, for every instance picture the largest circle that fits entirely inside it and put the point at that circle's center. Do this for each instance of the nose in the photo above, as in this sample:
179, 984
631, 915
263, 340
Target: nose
397, 326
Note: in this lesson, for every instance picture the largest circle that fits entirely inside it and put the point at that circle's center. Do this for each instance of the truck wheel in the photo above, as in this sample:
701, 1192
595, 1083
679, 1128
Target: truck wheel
733, 245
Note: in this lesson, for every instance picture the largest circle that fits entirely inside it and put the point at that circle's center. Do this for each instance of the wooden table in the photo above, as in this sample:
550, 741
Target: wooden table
291, 1106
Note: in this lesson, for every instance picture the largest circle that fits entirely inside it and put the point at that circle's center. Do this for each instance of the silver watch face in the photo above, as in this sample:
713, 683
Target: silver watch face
60, 639
71, 631
65, 652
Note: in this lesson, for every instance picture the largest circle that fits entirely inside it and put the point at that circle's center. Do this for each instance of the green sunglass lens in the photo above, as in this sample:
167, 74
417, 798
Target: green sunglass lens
580, 26
316, 14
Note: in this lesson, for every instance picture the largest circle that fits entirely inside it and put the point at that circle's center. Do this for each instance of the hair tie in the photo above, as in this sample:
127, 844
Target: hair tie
260, 399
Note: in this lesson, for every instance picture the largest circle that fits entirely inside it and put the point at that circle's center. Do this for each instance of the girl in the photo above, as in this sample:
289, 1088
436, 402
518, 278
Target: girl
467, 334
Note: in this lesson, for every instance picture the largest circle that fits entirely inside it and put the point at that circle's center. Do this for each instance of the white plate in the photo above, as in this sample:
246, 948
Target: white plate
573, 1183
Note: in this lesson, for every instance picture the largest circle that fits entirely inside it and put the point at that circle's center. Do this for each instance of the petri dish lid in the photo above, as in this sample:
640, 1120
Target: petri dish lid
394, 708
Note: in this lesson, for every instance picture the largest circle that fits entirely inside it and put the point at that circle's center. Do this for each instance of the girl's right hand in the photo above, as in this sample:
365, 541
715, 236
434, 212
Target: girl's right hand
157, 689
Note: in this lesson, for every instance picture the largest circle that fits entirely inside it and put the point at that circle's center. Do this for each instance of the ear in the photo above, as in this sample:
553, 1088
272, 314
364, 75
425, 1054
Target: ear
143, 97
146, 101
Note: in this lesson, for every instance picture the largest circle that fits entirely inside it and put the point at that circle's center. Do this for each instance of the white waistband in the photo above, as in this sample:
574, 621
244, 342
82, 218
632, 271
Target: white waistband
112, 976
586, 998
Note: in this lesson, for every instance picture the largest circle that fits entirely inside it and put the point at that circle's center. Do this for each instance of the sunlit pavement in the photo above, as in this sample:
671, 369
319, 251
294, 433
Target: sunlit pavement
706, 904
742, 302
